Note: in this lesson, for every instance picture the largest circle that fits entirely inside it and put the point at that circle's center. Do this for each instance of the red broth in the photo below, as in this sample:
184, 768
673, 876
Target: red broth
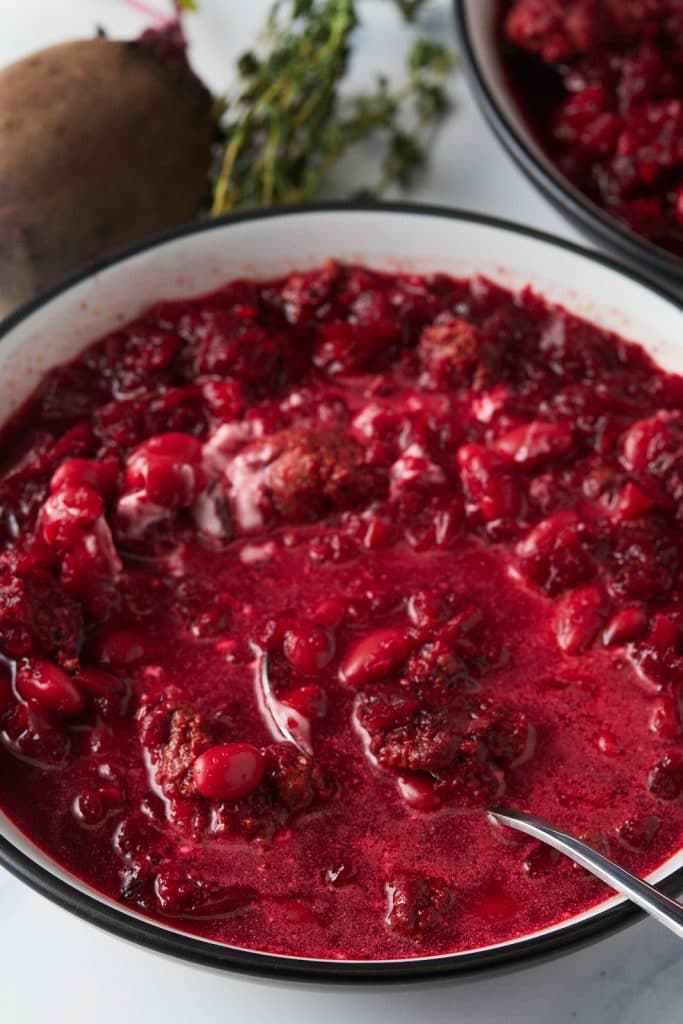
298, 578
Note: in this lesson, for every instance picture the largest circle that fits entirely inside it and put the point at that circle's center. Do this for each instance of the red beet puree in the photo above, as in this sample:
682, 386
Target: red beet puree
296, 579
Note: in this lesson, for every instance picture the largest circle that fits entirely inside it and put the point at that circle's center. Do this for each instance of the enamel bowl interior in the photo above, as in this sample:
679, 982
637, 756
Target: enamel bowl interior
197, 261
477, 25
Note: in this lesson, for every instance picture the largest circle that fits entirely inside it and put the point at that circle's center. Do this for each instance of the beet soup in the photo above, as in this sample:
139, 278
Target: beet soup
298, 578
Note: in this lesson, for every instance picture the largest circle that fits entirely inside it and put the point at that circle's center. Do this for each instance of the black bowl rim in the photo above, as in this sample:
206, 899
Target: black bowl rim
496, 959
550, 181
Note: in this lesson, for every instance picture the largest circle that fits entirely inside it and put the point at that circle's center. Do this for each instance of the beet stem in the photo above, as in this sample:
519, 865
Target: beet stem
149, 11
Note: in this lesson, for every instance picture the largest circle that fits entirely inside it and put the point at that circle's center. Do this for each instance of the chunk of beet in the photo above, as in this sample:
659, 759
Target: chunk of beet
416, 903
32, 737
187, 894
637, 834
465, 745
665, 780
297, 781
37, 615
174, 736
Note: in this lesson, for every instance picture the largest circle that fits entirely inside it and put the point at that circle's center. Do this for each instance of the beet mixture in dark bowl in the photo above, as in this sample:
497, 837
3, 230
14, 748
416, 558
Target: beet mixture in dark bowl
588, 94
299, 576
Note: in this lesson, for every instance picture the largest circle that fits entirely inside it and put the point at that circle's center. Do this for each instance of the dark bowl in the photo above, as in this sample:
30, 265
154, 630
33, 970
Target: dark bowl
476, 22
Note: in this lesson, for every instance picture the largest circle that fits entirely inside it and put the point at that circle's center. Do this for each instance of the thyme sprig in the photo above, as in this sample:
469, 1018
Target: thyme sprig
289, 126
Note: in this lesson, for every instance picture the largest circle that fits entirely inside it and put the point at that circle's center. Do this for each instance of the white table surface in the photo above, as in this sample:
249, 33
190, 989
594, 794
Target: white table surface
53, 966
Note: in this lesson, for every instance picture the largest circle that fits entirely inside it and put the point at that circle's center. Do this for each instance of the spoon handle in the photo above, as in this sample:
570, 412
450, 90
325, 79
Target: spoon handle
667, 911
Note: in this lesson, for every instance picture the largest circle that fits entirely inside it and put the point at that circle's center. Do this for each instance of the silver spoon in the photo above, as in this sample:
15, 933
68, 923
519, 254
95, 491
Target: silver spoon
287, 724
667, 911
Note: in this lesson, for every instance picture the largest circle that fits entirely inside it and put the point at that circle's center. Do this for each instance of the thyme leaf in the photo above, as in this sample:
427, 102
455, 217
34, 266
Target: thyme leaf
289, 125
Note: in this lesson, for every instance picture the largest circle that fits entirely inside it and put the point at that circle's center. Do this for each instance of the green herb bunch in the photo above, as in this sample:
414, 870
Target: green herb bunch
288, 125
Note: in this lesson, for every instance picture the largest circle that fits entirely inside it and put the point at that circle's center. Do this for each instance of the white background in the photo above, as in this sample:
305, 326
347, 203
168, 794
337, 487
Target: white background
53, 966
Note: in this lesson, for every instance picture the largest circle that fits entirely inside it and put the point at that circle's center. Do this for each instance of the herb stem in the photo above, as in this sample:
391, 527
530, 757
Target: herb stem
288, 126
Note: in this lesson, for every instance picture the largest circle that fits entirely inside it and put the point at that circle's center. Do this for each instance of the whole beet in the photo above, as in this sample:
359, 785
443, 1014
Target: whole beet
101, 143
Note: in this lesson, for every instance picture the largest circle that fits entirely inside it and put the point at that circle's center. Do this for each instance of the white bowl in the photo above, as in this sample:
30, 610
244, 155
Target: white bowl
477, 28
199, 258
